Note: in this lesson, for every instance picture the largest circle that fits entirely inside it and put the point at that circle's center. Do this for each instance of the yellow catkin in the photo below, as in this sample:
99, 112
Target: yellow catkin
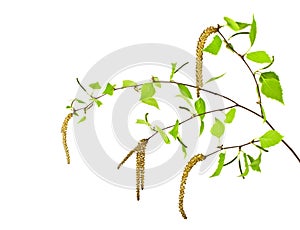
142, 167
199, 54
64, 129
138, 175
193, 161
126, 158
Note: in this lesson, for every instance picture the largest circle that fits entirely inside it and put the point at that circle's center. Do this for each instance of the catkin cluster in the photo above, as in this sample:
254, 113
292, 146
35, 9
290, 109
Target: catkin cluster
199, 54
64, 129
194, 160
140, 151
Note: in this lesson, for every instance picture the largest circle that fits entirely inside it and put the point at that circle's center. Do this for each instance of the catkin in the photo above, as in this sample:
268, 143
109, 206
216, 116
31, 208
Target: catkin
193, 161
64, 129
138, 175
199, 54
142, 166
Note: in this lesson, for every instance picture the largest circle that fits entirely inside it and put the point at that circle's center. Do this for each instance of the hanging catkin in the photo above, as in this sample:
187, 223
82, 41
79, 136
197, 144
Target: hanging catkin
199, 54
64, 129
193, 161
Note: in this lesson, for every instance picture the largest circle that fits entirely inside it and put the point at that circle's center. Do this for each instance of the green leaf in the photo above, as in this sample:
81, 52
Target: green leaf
148, 90
271, 86
242, 25
232, 24
255, 163
79, 101
215, 46
109, 89
150, 101
201, 127
127, 83
185, 91
68, 107
174, 131
218, 128
264, 114
142, 122
163, 135
230, 115
253, 30
187, 100
95, 85
246, 171
82, 119
99, 103
155, 79
183, 148
220, 165
173, 70
215, 78
200, 107
270, 138
259, 57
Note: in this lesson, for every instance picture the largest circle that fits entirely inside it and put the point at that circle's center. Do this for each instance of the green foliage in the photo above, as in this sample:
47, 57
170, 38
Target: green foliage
242, 25
185, 91
142, 122
183, 146
200, 107
215, 46
255, 163
128, 83
201, 127
79, 101
220, 165
246, 171
232, 24
109, 89
230, 115
215, 78
218, 128
163, 135
95, 85
68, 107
82, 119
270, 138
156, 83
148, 90
98, 103
174, 130
173, 70
253, 30
259, 57
150, 101
270, 86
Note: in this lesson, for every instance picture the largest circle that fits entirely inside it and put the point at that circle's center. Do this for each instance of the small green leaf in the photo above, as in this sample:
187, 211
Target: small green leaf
163, 135
183, 146
242, 25
270, 138
232, 24
218, 128
99, 103
82, 119
127, 83
215, 46
253, 30
150, 101
174, 131
271, 86
79, 101
95, 85
142, 122
109, 89
185, 91
246, 171
148, 90
264, 114
187, 100
200, 107
215, 78
259, 57
173, 70
220, 165
201, 127
230, 115
156, 83
255, 163
68, 107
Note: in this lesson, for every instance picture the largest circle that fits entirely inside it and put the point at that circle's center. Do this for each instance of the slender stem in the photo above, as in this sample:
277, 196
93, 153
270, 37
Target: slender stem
250, 70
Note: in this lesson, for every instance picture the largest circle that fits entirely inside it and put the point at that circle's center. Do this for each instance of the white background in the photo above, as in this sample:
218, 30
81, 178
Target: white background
44, 45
